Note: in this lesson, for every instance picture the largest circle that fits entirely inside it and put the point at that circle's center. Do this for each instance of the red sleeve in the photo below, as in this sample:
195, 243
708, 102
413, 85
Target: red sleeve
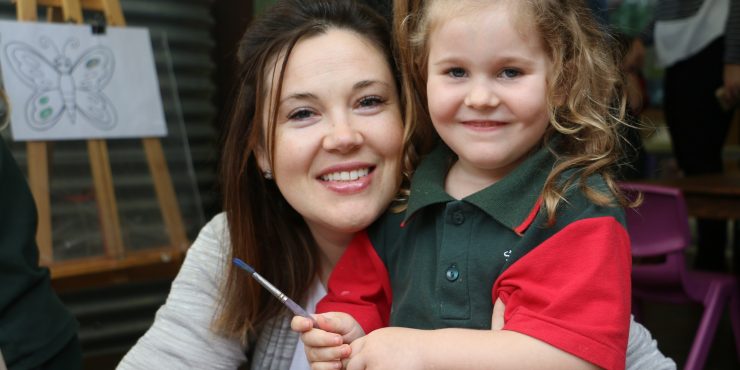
573, 291
359, 286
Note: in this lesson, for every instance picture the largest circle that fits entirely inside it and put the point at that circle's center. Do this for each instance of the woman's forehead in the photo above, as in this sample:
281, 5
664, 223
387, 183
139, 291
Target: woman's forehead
336, 53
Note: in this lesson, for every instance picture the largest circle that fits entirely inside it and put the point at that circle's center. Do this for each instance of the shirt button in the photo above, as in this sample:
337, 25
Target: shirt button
458, 218
452, 273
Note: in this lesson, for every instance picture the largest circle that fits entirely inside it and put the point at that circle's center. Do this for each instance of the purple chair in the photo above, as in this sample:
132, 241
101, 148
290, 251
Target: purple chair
659, 232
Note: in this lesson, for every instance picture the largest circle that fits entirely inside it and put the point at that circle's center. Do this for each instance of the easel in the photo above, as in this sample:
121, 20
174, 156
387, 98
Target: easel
116, 257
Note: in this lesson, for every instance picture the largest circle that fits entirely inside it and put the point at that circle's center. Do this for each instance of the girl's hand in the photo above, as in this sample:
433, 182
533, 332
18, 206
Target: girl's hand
497, 318
328, 344
387, 348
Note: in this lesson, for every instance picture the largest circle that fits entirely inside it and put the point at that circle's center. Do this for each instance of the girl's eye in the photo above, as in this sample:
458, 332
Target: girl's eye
510, 73
370, 101
300, 114
456, 72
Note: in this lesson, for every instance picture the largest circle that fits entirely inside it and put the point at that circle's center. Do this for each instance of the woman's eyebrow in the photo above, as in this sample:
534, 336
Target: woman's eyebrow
299, 96
366, 83
310, 96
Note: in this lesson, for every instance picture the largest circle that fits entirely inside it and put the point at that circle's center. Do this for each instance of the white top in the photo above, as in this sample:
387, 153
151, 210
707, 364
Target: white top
678, 39
318, 291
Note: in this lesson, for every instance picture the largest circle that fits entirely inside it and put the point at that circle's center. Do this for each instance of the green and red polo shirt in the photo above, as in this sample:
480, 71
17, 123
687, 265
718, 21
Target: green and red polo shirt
445, 261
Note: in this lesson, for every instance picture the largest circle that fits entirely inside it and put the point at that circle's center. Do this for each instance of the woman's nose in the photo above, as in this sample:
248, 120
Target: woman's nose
343, 137
481, 95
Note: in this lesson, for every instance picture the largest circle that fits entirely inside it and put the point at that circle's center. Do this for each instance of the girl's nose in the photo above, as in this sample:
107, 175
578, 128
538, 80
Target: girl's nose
343, 137
481, 96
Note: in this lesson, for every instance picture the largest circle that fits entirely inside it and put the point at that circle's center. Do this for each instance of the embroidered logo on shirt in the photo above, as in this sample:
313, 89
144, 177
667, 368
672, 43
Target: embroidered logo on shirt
507, 254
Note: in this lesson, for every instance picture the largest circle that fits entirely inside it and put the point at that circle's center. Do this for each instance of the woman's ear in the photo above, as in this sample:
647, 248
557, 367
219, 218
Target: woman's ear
263, 161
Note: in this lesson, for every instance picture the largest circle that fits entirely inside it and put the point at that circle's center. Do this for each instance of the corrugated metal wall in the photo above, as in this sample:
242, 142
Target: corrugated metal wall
113, 318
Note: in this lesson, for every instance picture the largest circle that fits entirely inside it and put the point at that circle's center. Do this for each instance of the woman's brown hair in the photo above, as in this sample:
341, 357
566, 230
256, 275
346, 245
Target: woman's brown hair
264, 230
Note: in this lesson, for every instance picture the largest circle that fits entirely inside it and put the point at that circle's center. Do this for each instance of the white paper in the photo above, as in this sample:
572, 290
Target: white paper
64, 82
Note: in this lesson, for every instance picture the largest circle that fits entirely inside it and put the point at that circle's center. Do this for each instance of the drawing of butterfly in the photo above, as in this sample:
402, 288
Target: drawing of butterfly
63, 86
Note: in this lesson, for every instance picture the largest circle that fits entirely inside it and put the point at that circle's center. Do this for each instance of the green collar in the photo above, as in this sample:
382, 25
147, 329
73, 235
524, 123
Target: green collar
510, 201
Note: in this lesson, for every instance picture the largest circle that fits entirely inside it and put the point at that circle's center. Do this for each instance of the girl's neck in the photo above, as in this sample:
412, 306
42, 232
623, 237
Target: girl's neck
464, 179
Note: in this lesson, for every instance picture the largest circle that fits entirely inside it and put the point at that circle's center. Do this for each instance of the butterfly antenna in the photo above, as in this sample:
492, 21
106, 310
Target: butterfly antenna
72, 44
46, 43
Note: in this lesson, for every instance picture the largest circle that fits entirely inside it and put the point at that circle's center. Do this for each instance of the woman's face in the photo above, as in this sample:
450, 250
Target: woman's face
338, 136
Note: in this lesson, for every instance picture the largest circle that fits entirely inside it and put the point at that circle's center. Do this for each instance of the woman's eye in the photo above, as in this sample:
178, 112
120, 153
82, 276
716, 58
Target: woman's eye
370, 101
510, 73
456, 72
300, 114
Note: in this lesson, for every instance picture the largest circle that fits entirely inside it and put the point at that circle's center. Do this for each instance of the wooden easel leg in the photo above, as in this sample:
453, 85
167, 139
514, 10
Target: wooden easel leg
105, 196
165, 192
26, 10
38, 178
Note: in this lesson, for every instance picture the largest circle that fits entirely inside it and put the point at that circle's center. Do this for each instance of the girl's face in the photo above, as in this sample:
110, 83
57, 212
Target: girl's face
487, 89
338, 137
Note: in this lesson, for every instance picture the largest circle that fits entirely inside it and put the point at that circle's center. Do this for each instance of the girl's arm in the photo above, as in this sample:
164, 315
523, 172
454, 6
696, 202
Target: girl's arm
404, 348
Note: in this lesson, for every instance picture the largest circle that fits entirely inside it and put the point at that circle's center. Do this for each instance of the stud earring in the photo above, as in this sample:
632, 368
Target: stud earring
267, 174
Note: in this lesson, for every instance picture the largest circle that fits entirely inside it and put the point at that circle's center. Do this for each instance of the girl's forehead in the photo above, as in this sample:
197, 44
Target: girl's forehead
438, 12
446, 9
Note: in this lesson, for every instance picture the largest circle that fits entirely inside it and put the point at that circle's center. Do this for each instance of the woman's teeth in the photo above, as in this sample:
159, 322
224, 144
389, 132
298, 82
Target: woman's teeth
346, 175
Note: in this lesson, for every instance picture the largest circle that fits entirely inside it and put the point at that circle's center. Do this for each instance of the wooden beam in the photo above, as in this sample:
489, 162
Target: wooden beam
84, 4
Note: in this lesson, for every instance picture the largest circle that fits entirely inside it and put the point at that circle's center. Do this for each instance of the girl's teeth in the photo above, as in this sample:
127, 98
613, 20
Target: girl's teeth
346, 175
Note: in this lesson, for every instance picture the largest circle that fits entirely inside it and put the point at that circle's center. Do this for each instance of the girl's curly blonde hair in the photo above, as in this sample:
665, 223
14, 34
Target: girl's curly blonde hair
586, 99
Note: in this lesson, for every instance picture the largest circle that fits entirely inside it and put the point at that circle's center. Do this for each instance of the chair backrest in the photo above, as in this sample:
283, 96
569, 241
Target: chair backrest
660, 224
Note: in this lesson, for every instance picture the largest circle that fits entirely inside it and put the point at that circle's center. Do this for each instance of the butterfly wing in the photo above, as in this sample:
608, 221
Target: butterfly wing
96, 108
94, 69
31, 67
44, 109
90, 74
46, 105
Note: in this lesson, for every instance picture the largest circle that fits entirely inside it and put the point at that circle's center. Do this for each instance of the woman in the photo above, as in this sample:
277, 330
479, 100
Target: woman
312, 155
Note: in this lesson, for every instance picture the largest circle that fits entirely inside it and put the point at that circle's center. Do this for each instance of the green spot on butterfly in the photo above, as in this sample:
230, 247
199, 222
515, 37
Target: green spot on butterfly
92, 63
46, 113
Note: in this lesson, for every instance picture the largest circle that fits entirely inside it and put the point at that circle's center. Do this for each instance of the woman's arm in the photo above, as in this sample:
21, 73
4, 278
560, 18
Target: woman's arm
180, 337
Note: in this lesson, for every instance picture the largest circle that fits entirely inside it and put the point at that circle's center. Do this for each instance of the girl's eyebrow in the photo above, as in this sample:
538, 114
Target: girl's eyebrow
449, 59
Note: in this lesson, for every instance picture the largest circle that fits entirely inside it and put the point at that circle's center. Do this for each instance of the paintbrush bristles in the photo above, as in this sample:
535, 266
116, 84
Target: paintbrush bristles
244, 265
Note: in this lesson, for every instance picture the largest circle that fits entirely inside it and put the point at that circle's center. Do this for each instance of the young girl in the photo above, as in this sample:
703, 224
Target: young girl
517, 204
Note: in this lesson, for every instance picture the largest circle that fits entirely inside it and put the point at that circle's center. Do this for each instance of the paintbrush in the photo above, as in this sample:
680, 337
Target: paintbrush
298, 310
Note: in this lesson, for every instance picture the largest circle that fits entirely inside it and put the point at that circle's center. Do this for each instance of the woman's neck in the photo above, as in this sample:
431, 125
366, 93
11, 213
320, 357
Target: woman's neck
331, 247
